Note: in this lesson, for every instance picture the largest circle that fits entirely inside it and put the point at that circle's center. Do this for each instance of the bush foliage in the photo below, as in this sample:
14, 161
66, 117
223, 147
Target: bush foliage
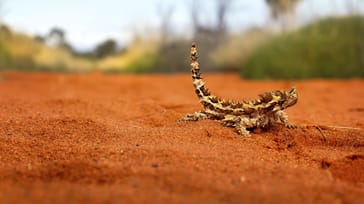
330, 48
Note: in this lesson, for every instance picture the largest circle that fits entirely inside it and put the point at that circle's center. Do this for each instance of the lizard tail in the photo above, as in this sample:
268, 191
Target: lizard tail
199, 85
195, 68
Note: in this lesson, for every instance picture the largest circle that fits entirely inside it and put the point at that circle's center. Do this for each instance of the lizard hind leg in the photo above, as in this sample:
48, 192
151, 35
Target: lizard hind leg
241, 124
200, 115
245, 124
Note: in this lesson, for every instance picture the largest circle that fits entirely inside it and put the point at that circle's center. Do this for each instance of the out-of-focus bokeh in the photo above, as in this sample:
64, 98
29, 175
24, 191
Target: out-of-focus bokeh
259, 39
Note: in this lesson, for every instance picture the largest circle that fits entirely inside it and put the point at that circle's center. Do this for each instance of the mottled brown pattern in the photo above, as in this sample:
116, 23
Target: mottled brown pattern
235, 105
214, 99
266, 97
245, 115
249, 110
205, 91
225, 103
228, 111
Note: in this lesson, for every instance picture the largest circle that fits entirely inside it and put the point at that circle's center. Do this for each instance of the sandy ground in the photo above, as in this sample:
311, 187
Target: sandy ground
114, 139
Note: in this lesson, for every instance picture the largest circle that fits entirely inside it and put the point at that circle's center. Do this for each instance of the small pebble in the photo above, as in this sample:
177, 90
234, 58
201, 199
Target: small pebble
155, 165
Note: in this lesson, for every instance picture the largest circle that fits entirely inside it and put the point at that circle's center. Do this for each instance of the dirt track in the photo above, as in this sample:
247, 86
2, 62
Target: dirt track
98, 138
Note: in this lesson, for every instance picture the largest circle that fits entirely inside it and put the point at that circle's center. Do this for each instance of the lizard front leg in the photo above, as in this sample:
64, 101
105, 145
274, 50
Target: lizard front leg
284, 119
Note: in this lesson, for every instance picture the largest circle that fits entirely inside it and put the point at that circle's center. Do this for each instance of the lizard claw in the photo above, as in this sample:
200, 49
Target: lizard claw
291, 126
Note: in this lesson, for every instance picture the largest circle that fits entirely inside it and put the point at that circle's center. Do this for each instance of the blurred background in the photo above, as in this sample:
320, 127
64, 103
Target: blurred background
259, 39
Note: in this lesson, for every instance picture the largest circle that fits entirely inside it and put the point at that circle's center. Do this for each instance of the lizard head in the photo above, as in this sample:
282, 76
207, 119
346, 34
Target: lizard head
287, 98
280, 100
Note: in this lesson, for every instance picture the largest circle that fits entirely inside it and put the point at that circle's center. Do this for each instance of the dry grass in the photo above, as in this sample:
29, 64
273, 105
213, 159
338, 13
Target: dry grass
61, 59
135, 53
233, 54
23, 52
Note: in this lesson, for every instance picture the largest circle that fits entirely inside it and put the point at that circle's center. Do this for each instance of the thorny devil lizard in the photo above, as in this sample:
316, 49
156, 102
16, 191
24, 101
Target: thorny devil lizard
245, 115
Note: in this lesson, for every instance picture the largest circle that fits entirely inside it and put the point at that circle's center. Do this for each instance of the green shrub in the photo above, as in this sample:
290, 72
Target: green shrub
331, 48
5, 57
147, 62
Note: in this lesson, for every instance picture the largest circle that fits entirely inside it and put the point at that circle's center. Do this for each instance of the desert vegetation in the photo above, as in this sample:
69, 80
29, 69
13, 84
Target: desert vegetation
324, 47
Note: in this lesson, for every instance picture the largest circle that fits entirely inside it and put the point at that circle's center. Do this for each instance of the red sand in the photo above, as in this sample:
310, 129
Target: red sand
97, 138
